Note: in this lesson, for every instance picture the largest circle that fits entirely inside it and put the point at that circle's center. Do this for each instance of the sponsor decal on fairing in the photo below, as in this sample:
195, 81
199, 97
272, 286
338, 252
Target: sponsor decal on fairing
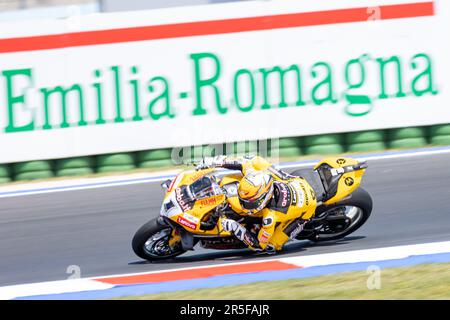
186, 223
185, 206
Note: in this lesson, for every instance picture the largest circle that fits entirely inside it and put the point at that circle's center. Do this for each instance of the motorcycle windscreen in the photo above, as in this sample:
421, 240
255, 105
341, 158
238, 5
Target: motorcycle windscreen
204, 187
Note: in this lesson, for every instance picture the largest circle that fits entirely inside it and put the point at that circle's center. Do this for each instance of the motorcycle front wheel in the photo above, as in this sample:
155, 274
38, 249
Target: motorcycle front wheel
151, 242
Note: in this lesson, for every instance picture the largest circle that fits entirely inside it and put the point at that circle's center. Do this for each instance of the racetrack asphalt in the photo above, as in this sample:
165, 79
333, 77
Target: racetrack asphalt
42, 235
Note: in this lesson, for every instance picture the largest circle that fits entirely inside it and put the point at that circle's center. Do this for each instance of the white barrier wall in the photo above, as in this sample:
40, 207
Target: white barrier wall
211, 74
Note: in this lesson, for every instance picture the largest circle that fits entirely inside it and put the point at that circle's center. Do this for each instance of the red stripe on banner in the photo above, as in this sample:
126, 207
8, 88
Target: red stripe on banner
203, 28
198, 273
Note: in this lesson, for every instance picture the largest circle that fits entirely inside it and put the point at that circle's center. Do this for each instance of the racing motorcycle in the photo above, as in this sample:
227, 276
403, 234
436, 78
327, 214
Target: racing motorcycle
196, 201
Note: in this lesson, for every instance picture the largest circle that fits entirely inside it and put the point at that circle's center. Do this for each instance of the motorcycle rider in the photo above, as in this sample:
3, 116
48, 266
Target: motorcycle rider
266, 192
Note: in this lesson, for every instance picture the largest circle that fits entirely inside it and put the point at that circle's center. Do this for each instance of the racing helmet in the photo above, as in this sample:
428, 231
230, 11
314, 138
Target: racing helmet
255, 190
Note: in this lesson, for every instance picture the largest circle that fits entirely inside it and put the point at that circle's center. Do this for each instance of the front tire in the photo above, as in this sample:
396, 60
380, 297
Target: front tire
150, 242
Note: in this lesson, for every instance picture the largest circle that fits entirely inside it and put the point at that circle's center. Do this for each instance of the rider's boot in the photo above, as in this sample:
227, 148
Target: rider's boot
247, 237
252, 242
241, 233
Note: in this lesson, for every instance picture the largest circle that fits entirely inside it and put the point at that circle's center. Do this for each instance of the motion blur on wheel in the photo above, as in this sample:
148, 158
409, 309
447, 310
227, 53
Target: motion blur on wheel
196, 202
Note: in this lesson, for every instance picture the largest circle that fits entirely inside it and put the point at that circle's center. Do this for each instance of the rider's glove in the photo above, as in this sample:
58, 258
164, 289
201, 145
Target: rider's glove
230, 225
209, 162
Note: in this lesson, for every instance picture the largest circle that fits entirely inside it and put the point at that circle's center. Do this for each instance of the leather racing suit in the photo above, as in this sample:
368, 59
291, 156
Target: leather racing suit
292, 198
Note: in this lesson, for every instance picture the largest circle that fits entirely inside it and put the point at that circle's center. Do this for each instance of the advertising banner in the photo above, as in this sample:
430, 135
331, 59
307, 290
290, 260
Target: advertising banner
132, 81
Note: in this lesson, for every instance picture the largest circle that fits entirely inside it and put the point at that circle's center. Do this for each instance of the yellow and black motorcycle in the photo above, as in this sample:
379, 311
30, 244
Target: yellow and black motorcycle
196, 201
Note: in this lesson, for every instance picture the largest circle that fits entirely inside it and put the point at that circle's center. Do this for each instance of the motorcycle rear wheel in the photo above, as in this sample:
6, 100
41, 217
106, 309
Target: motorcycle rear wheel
357, 210
150, 242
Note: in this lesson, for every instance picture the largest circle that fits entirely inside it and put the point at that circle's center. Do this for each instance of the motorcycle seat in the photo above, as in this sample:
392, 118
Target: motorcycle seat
314, 180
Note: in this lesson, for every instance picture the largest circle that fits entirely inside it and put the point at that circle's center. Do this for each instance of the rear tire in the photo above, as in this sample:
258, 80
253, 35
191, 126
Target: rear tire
144, 234
361, 199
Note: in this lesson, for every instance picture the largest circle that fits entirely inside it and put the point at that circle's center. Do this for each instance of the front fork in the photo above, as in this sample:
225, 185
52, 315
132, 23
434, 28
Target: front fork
175, 238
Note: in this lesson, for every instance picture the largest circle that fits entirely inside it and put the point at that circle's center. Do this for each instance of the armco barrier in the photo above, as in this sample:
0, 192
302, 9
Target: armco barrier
407, 138
33, 170
290, 147
324, 144
115, 162
5, 173
74, 166
154, 158
440, 135
364, 141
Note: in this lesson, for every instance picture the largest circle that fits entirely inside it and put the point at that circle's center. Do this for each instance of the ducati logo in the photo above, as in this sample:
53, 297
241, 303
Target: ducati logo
349, 181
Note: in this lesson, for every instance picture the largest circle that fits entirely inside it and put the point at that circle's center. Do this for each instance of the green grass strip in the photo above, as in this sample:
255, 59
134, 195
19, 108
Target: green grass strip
427, 281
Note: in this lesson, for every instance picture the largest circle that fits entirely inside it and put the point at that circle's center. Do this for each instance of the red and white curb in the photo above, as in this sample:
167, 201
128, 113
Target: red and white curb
277, 264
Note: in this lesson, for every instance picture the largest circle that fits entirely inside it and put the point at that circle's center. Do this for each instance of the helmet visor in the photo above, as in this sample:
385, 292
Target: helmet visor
255, 205
252, 204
